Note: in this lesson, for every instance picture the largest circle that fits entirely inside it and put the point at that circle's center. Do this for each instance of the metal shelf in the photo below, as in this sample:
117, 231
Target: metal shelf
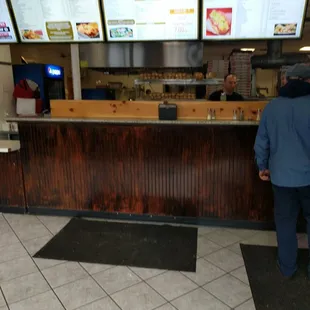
180, 82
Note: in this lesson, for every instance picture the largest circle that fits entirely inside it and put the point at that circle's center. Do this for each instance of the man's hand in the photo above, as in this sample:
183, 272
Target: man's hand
264, 175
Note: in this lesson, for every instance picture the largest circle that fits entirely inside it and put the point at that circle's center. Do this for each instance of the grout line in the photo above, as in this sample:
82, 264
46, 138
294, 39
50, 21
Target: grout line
245, 302
216, 296
37, 268
6, 302
100, 285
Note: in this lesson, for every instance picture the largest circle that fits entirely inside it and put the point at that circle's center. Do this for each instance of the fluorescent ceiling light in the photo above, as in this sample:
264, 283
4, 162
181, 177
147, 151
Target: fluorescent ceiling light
305, 49
247, 49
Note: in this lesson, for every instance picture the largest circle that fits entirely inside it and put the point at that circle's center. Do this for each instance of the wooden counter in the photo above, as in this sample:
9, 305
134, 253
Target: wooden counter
190, 170
11, 177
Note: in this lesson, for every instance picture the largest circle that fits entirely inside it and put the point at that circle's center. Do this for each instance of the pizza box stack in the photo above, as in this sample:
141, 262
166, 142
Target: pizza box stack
240, 65
220, 69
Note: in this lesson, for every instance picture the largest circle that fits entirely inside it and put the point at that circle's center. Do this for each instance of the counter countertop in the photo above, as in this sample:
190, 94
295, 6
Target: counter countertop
7, 146
130, 121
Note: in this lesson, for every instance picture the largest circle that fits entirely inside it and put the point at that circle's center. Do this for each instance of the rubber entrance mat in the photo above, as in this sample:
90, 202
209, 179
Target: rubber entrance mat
270, 290
140, 245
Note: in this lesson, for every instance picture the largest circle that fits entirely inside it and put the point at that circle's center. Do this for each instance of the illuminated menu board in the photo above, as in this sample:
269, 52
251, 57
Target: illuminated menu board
58, 20
7, 32
252, 19
151, 20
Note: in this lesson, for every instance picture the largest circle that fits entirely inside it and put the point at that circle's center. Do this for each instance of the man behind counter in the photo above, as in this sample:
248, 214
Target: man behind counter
227, 93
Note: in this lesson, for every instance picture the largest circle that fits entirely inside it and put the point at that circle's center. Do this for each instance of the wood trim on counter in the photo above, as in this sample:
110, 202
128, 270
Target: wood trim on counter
187, 110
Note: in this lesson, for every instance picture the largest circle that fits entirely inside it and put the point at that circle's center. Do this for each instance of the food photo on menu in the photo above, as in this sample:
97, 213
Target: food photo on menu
121, 32
30, 34
88, 30
285, 29
5, 32
219, 21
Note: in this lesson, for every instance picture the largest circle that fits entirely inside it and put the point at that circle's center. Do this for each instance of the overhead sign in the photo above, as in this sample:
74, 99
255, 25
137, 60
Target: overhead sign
58, 20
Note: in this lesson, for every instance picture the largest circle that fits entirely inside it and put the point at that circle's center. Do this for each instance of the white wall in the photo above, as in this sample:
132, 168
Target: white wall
7, 105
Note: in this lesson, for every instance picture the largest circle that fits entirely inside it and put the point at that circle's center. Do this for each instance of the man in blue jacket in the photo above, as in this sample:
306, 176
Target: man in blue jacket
282, 150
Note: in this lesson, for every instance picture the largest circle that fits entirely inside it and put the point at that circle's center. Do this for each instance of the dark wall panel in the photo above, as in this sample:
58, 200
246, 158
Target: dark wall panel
11, 180
199, 171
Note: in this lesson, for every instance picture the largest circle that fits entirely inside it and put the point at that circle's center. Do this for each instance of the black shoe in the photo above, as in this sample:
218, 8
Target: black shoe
285, 277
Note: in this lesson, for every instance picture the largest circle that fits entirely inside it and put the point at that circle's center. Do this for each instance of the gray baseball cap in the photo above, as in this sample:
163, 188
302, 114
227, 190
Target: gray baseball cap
298, 71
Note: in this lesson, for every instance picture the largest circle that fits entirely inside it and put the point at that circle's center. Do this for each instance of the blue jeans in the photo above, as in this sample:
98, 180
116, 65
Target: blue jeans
287, 204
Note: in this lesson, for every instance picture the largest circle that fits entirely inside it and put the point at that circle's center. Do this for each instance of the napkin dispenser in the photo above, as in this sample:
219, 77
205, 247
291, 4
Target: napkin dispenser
167, 111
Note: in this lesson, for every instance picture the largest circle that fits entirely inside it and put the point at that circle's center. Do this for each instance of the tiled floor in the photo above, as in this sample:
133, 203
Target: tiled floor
28, 283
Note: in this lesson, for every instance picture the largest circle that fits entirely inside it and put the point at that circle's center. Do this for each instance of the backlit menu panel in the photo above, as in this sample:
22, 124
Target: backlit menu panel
7, 32
151, 20
252, 19
58, 20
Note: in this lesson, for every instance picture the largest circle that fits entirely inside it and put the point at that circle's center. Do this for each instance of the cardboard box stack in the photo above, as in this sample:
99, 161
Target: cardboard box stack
220, 68
240, 64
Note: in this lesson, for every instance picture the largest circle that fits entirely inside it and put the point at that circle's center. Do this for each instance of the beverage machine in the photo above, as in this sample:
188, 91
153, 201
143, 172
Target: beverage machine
49, 79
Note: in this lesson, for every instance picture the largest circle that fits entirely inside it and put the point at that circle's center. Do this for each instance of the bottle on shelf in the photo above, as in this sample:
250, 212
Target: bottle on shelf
258, 116
213, 114
209, 117
241, 117
223, 97
235, 115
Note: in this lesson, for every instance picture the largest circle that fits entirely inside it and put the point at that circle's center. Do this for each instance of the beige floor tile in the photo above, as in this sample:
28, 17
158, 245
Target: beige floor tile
13, 251
243, 233
205, 272
223, 238
241, 274
138, 297
43, 263
45, 301
54, 223
166, 307
103, 304
24, 287
205, 246
79, 293
34, 245
249, 305
235, 248
199, 300
171, 284
27, 227
204, 230
146, 273
8, 238
16, 268
2, 300
267, 238
229, 290
95, 268
64, 273
225, 259
116, 279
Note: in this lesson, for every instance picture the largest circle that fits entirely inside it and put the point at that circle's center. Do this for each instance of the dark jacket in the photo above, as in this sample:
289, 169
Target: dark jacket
283, 139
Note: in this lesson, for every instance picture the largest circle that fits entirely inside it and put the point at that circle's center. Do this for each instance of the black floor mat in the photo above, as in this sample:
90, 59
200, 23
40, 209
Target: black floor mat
113, 243
270, 290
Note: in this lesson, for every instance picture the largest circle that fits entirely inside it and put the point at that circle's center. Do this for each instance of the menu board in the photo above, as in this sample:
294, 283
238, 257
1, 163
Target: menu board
252, 19
58, 20
7, 32
151, 20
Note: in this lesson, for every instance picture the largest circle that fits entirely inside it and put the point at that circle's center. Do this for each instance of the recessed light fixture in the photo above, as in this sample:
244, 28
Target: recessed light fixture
247, 49
305, 49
